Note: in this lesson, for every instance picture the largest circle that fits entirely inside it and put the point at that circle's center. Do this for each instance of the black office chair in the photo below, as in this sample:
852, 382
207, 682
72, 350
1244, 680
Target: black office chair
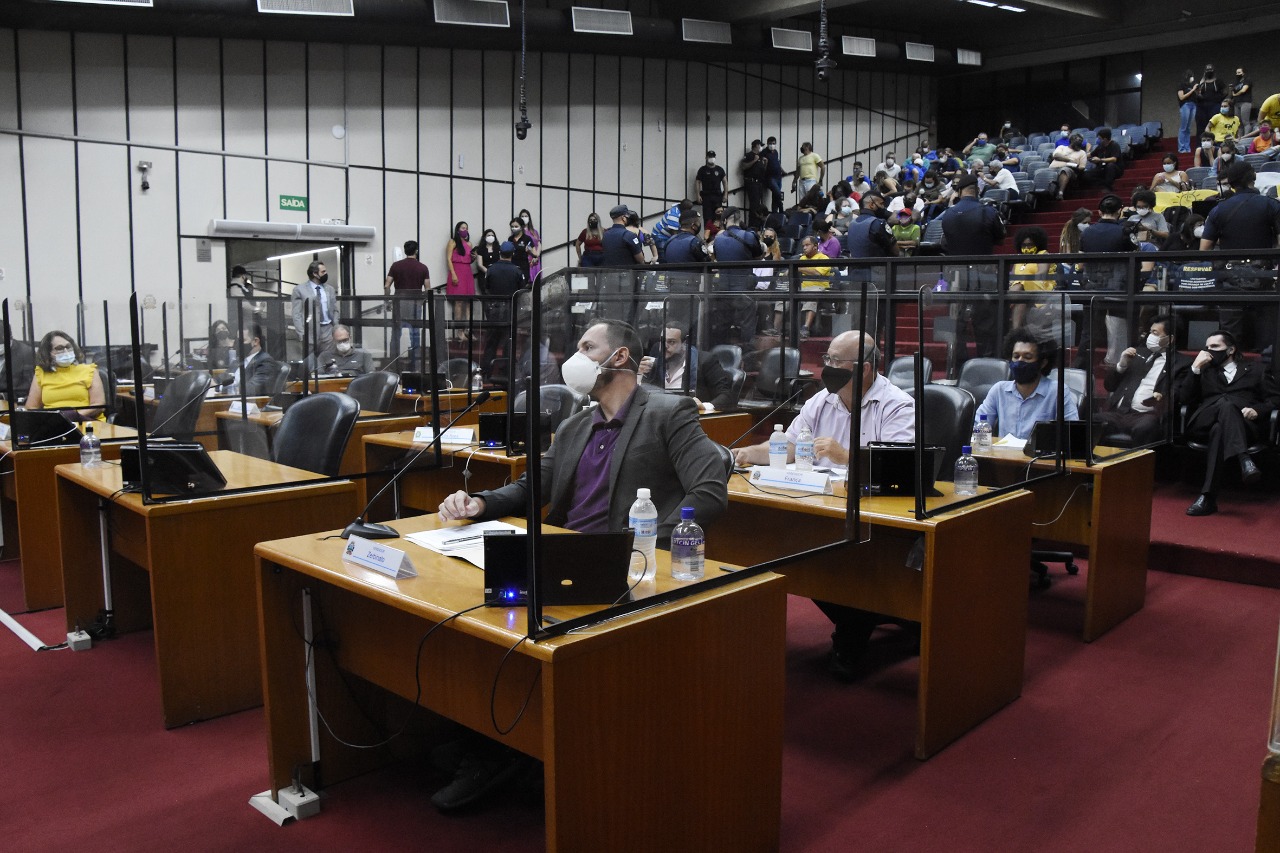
947, 414
977, 375
556, 403
374, 391
179, 409
459, 372
108, 393
276, 385
901, 371
726, 456
313, 434
739, 379
729, 355
777, 379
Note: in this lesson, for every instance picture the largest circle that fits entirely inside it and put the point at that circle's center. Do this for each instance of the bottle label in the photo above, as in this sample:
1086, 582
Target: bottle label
643, 526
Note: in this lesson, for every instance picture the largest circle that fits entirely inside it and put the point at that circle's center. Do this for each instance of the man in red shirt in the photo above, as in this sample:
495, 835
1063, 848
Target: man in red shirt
411, 279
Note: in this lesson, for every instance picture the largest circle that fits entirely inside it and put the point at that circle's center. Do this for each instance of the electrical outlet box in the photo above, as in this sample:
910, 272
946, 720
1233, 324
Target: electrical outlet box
300, 803
79, 641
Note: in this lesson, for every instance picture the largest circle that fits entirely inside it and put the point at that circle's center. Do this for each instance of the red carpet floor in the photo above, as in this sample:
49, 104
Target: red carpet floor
1148, 739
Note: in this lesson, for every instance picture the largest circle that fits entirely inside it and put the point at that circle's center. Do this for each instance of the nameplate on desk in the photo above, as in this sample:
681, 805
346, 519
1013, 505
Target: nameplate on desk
250, 408
149, 392
391, 562
4, 432
817, 482
456, 435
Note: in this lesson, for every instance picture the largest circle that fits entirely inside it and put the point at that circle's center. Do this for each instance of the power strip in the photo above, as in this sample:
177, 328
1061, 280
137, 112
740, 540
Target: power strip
79, 641
300, 801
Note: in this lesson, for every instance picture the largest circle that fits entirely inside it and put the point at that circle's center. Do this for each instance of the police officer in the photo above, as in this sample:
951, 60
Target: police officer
709, 187
622, 248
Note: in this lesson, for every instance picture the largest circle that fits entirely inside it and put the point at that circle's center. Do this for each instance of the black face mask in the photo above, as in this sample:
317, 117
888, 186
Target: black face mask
1024, 372
1219, 356
835, 378
244, 349
323, 279
768, 241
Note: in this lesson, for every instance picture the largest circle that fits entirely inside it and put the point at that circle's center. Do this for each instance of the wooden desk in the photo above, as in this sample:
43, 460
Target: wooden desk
206, 432
326, 383
193, 560
1113, 523
658, 731
970, 597
28, 503
424, 490
452, 401
725, 427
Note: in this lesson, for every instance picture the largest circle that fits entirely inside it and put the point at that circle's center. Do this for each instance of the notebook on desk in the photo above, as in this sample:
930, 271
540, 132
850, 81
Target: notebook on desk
41, 428
889, 469
577, 569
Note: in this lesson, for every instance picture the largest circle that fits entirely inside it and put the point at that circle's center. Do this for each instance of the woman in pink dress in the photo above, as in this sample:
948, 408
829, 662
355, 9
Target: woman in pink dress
535, 260
462, 281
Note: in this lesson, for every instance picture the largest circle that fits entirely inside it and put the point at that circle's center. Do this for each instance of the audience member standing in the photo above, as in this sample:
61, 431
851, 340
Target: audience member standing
1188, 94
411, 279
589, 245
621, 247
1241, 93
316, 303
535, 243
1108, 235
526, 251
973, 228
709, 188
773, 173
811, 171
1209, 96
754, 169
462, 281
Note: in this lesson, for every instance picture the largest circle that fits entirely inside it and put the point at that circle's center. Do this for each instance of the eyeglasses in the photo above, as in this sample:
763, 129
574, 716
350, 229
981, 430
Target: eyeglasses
831, 361
63, 348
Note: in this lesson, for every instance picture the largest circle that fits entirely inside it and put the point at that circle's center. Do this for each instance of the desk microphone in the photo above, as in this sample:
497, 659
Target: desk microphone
770, 414
220, 381
369, 530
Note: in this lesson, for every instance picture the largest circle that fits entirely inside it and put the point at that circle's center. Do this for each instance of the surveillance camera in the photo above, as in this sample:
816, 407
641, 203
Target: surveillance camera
822, 75
522, 128
146, 185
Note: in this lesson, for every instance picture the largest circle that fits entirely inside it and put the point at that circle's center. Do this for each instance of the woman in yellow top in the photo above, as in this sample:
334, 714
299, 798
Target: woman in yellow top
63, 381
1028, 276
1224, 125
812, 278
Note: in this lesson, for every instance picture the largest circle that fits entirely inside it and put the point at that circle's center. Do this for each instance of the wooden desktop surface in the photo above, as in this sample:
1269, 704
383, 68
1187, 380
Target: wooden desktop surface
450, 401
28, 504
1104, 506
970, 597
206, 424
186, 569
325, 383
678, 708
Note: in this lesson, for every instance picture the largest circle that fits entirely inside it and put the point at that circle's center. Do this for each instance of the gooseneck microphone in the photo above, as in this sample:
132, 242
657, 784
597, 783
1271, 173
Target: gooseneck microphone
770, 414
369, 530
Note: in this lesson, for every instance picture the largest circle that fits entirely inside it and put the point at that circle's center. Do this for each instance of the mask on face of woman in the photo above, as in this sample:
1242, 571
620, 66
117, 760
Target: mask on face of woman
464, 234
1169, 167
65, 359
1197, 232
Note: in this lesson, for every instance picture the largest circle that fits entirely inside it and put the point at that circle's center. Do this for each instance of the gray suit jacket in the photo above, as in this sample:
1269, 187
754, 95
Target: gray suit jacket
298, 302
662, 448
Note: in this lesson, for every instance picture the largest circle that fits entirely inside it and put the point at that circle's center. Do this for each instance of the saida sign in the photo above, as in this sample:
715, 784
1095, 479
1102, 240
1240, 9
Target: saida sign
293, 202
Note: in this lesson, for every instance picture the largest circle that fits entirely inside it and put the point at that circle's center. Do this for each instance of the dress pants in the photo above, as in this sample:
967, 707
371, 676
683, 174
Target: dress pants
1229, 435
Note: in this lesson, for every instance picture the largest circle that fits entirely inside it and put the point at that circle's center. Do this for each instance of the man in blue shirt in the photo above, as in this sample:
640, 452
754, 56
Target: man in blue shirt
1031, 395
621, 247
669, 225
735, 320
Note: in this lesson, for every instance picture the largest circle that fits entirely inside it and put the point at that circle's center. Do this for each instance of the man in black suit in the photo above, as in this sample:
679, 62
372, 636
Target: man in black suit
667, 365
1137, 386
1235, 400
258, 368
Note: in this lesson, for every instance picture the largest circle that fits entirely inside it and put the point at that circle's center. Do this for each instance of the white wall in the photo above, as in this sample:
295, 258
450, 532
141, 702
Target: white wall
230, 125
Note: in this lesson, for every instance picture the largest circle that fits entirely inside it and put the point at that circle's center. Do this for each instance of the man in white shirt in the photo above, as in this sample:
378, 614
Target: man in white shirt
1138, 386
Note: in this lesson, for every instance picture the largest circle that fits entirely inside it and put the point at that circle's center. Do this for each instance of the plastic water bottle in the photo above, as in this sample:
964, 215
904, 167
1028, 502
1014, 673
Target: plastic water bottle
643, 519
804, 451
688, 547
778, 448
477, 381
982, 434
90, 449
966, 478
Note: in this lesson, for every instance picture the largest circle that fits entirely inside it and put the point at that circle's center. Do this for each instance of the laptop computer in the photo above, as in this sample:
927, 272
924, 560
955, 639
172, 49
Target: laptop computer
172, 468
493, 430
42, 428
889, 469
1044, 440
577, 569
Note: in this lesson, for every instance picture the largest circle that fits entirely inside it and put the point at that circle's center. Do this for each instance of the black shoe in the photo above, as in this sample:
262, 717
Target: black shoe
845, 662
1204, 505
1249, 473
477, 776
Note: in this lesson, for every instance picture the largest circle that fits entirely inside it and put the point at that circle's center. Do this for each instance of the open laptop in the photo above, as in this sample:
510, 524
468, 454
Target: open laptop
889, 469
1044, 440
577, 569
42, 428
172, 468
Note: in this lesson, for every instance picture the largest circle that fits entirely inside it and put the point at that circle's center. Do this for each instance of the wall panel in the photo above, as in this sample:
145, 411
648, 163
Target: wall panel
46, 81
607, 142
246, 181
286, 100
49, 166
8, 80
400, 105
501, 88
285, 178
434, 97
325, 103
155, 243
12, 222
149, 76
467, 122
244, 116
328, 188
100, 85
200, 191
104, 220
199, 90
366, 207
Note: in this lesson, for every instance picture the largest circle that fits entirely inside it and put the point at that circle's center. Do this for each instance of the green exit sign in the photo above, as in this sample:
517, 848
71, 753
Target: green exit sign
293, 202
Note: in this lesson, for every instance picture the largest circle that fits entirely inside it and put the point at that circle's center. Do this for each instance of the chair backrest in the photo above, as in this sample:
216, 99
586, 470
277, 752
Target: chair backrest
1154, 128
739, 379
1196, 174
179, 409
458, 371
374, 391
776, 221
801, 219
1273, 166
1077, 382
774, 368
276, 385
729, 355
556, 402
726, 457
314, 432
977, 375
901, 371
947, 417
1044, 178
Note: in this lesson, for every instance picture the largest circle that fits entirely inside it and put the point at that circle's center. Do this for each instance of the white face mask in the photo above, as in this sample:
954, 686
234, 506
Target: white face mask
711, 161
1083, 225
65, 359
489, 240
1154, 342
525, 220
1168, 167
343, 348
1206, 145
1142, 211
1197, 232
889, 162
846, 210
581, 373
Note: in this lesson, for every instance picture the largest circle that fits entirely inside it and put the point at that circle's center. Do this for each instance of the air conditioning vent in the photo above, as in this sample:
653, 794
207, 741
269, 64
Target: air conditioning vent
968, 57
856, 46
473, 13
606, 22
784, 39
344, 8
919, 52
710, 32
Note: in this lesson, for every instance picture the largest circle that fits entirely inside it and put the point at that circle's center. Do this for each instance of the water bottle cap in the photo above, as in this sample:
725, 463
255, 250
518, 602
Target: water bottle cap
88, 429
642, 494
777, 427
982, 418
966, 450
686, 513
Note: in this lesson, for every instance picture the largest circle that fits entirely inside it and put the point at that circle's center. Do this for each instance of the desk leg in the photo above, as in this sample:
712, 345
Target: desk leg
670, 736
1119, 539
974, 622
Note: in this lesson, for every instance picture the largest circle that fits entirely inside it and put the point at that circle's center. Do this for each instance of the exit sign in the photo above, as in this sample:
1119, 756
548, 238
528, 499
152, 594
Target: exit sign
293, 202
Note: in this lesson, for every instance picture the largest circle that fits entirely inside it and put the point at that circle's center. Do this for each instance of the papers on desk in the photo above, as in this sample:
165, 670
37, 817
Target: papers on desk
1010, 441
466, 542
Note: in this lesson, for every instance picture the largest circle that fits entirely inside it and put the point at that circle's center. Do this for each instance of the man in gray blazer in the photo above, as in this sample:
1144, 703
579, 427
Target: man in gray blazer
631, 440
316, 299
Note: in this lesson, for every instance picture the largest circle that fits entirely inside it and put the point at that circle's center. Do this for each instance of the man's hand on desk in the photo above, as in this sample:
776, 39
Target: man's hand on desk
747, 456
460, 505
831, 449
